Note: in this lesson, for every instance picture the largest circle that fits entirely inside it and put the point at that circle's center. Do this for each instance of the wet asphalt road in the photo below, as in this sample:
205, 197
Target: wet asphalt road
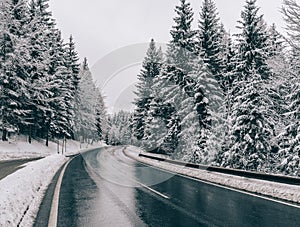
105, 188
10, 166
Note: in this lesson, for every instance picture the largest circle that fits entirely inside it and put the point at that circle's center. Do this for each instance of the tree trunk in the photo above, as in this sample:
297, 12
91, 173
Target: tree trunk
47, 137
29, 136
4, 134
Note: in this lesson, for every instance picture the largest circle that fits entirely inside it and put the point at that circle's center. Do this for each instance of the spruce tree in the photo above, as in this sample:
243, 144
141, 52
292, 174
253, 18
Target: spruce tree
181, 48
61, 89
180, 52
210, 39
252, 127
252, 42
151, 68
289, 139
38, 71
90, 114
13, 62
72, 62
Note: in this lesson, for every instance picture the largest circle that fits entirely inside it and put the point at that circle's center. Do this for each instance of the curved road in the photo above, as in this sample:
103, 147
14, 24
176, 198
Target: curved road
105, 188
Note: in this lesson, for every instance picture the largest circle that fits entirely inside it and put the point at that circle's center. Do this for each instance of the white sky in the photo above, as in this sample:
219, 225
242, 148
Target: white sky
100, 27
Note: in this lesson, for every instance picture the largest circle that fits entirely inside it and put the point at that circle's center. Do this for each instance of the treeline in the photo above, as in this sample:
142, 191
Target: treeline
44, 90
230, 100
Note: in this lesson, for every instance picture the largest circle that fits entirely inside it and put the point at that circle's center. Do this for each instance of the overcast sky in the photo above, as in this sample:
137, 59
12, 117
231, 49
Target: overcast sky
101, 27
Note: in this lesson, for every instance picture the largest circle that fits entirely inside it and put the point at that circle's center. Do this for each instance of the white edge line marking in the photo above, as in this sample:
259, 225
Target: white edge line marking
226, 187
55, 200
145, 186
154, 191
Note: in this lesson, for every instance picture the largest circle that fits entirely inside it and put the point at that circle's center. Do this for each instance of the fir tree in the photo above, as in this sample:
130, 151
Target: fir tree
90, 113
38, 74
151, 68
181, 48
252, 127
72, 63
210, 39
289, 139
61, 89
252, 47
13, 76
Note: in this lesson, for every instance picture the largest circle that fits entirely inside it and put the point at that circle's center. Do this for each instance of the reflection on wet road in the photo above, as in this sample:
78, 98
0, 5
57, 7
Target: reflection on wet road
105, 188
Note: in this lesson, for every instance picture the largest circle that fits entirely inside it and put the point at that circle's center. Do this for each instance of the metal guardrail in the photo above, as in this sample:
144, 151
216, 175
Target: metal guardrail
241, 173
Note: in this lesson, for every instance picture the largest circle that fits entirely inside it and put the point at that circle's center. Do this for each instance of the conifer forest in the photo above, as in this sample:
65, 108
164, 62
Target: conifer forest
212, 97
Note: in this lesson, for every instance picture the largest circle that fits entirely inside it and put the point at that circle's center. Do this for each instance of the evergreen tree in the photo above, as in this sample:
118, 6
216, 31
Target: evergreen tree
227, 54
38, 73
252, 47
85, 123
90, 113
100, 118
180, 53
120, 132
210, 39
61, 89
72, 62
13, 77
206, 102
151, 68
181, 48
252, 128
291, 14
289, 139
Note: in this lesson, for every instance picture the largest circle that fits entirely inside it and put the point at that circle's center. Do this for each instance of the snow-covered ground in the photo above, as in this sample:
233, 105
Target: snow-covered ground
19, 148
22, 191
289, 193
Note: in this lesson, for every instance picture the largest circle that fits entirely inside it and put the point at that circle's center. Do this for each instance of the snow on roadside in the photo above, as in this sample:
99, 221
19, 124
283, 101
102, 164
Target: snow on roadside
22, 192
19, 148
289, 193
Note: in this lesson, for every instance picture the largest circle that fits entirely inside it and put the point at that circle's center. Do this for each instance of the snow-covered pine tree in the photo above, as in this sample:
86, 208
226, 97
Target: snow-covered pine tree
72, 62
181, 48
252, 127
155, 127
180, 53
206, 96
85, 123
144, 89
61, 89
163, 109
251, 120
252, 42
90, 114
278, 84
73, 65
227, 54
43, 12
289, 139
120, 132
13, 62
38, 33
100, 119
210, 39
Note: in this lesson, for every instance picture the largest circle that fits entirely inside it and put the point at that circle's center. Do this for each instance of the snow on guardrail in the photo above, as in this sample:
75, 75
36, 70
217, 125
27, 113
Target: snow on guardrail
242, 173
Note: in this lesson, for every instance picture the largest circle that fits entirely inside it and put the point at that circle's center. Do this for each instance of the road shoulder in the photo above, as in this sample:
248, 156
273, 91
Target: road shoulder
287, 194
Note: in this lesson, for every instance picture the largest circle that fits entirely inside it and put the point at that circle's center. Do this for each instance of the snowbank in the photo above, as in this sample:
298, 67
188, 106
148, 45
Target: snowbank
290, 193
19, 148
21, 192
